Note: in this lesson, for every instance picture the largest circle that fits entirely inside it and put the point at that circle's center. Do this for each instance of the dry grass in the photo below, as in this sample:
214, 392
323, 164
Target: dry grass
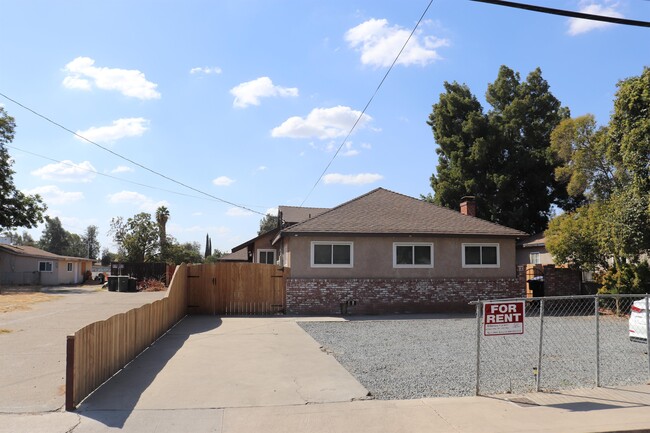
21, 299
5, 331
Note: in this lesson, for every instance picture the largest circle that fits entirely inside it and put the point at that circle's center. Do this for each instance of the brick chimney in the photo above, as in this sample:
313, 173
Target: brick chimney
468, 205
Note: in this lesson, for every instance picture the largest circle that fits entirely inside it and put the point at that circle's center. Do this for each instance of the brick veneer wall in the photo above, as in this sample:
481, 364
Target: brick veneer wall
386, 296
561, 281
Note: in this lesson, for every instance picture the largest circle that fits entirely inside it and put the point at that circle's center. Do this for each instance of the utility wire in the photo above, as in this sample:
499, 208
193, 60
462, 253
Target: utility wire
363, 112
566, 13
101, 174
127, 159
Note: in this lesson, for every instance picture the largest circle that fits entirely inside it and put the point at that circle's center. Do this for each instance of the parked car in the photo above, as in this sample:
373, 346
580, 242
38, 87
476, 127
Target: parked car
638, 322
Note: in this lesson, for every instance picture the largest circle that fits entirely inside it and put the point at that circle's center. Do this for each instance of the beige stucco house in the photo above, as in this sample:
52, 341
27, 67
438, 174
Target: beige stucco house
532, 250
261, 248
385, 252
29, 265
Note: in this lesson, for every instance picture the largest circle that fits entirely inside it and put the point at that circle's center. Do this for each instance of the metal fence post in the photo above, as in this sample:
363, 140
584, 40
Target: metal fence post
478, 346
647, 330
597, 318
541, 339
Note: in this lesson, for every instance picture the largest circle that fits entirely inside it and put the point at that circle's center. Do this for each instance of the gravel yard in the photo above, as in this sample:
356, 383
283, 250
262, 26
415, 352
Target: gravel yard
436, 356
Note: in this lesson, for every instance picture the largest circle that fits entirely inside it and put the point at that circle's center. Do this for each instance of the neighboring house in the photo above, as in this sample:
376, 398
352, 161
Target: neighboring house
261, 249
543, 277
532, 250
385, 252
30, 265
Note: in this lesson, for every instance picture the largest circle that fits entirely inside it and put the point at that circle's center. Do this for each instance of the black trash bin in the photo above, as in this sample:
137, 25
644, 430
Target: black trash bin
132, 284
112, 283
122, 283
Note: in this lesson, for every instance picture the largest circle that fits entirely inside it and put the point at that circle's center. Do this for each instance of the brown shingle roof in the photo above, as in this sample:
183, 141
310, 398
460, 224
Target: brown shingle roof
385, 212
36, 252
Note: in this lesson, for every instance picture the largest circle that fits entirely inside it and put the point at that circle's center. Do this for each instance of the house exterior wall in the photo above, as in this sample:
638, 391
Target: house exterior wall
264, 243
373, 258
523, 255
398, 295
25, 270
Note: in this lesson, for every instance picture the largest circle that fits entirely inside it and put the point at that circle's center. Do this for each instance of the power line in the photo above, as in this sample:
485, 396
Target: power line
565, 13
127, 159
99, 173
363, 112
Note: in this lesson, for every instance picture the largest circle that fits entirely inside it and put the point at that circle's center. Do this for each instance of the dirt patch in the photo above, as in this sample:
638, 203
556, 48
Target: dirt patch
5, 331
21, 300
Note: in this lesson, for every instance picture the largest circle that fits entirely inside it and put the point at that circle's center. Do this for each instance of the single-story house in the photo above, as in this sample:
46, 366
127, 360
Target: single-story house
532, 250
385, 252
261, 249
29, 265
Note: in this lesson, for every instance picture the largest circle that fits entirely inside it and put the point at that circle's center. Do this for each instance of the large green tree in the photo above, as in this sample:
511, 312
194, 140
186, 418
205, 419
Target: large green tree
16, 208
137, 238
611, 167
267, 223
502, 156
54, 238
90, 239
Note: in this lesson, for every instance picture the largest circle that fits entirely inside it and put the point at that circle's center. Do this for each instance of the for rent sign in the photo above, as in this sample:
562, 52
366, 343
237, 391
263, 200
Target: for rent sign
503, 318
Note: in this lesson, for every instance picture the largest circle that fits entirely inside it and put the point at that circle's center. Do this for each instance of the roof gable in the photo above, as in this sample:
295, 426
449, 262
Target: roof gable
26, 251
386, 212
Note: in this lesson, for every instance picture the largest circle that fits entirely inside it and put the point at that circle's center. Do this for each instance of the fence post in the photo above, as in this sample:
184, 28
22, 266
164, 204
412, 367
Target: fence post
69, 374
478, 346
541, 347
647, 330
597, 317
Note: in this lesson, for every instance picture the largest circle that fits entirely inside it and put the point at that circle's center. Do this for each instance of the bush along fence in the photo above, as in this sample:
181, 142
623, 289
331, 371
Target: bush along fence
552, 343
99, 350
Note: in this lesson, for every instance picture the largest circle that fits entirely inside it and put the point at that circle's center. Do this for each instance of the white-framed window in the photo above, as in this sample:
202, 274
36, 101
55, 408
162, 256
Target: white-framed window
45, 266
69, 267
266, 256
412, 255
535, 258
329, 254
481, 256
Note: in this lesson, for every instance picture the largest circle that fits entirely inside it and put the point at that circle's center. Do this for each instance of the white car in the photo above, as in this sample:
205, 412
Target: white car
638, 324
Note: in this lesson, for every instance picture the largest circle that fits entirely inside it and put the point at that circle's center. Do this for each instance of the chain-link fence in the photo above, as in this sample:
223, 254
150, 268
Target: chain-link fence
552, 343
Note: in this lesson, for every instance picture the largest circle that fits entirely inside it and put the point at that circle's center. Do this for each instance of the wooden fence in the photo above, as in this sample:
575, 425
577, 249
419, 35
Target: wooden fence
101, 349
236, 288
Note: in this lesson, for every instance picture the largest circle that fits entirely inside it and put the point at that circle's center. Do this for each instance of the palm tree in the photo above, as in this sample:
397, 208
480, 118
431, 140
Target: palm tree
162, 216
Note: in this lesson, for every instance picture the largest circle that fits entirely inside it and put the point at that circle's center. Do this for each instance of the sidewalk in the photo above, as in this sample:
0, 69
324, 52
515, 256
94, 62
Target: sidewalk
267, 375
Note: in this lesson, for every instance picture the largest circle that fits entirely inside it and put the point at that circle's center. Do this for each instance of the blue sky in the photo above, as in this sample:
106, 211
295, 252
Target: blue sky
247, 100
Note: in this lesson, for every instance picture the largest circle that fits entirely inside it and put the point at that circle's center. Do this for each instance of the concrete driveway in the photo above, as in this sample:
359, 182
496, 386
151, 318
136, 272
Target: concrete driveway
242, 375
32, 351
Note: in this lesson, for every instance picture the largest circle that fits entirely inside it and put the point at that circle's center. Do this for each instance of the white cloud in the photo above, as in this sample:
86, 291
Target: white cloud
262, 168
238, 212
578, 26
67, 171
250, 92
272, 211
121, 169
207, 70
82, 74
121, 128
52, 194
223, 181
322, 123
352, 179
143, 202
366, 145
380, 42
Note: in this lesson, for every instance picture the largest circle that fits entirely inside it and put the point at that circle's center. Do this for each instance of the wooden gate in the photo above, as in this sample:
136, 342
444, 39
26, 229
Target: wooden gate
236, 288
